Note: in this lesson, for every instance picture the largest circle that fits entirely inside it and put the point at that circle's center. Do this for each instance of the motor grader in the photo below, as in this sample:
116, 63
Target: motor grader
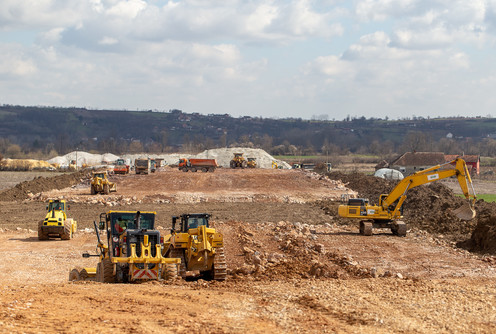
101, 184
56, 224
199, 246
132, 252
238, 161
390, 208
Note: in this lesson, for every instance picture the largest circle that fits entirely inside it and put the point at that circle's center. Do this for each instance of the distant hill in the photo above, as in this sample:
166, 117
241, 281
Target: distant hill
65, 129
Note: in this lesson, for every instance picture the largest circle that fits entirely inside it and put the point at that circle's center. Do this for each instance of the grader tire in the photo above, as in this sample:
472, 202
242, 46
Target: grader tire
169, 271
105, 271
220, 267
83, 275
41, 235
74, 275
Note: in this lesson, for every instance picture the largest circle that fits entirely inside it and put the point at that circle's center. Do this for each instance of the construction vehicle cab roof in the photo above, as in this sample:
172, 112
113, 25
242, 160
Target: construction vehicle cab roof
122, 220
194, 220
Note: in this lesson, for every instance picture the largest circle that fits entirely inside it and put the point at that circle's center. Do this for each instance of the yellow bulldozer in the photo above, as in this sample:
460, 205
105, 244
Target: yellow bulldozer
252, 163
199, 246
132, 252
101, 184
389, 211
238, 161
56, 224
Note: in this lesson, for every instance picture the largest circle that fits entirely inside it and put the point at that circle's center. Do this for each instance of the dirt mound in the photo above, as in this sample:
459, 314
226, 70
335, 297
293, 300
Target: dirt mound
483, 238
287, 250
23, 190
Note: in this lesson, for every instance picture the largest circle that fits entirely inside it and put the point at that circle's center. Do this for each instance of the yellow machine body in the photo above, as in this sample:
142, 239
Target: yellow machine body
389, 209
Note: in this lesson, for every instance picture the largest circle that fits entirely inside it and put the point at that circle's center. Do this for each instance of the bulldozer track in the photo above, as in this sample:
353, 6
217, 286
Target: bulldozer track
220, 267
179, 253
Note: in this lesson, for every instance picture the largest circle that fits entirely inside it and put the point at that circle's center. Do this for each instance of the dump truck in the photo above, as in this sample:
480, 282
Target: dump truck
389, 211
101, 184
56, 224
252, 163
142, 166
132, 251
121, 167
238, 161
194, 165
199, 246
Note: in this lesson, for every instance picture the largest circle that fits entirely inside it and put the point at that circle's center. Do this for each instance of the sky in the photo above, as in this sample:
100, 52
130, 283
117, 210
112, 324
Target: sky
326, 59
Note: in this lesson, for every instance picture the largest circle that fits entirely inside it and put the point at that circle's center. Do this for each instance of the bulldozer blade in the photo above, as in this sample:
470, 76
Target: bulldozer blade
465, 212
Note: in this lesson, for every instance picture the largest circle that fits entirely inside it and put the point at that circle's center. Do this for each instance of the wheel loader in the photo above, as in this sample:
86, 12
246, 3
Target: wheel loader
101, 184
132, 252
199, 246
238, 161
56, 224
390, 209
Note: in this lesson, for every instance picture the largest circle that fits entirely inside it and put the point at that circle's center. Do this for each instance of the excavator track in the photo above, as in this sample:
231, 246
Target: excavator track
220, 267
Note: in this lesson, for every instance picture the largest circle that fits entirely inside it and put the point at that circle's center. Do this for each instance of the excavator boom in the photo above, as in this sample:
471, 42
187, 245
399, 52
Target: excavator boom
390, 205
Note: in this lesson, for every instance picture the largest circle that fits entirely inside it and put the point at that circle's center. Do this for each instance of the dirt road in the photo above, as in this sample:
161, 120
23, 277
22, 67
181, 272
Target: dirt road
292, 268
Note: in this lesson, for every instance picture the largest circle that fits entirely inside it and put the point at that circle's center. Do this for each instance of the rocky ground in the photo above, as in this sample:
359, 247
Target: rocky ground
293, 265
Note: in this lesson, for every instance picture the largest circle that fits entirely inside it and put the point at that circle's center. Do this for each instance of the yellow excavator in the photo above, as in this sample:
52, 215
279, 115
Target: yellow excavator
389, 210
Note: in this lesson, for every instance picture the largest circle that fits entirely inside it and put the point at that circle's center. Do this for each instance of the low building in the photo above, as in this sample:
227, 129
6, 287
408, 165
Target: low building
412, 162
472, 161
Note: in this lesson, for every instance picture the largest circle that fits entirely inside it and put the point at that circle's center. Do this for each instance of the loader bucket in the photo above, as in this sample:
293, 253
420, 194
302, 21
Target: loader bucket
465, 212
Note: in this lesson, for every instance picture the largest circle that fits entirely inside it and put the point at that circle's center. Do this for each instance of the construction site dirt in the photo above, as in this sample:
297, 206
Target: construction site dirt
293, 265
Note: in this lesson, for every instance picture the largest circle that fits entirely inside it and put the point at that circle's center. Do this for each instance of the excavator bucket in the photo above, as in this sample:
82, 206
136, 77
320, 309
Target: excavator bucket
465, 212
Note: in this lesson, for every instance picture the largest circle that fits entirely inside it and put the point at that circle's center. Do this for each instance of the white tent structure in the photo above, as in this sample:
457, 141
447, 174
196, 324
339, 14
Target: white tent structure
390, 174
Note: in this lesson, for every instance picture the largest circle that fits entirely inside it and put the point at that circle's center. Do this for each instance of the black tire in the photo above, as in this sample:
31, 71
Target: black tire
106, 189
193, 169
232, 164
83, 275
185, 169
169, 271
211, 169
67, 234
74, 275
244, 164
204, 170
105, 271
41, 235
92, 191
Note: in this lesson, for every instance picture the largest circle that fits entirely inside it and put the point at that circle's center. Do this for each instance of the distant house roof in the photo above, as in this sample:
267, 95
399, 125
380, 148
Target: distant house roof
419, 159
467, 158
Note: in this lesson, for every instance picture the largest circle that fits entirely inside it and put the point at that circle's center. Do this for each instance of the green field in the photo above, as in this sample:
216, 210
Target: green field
485, 197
